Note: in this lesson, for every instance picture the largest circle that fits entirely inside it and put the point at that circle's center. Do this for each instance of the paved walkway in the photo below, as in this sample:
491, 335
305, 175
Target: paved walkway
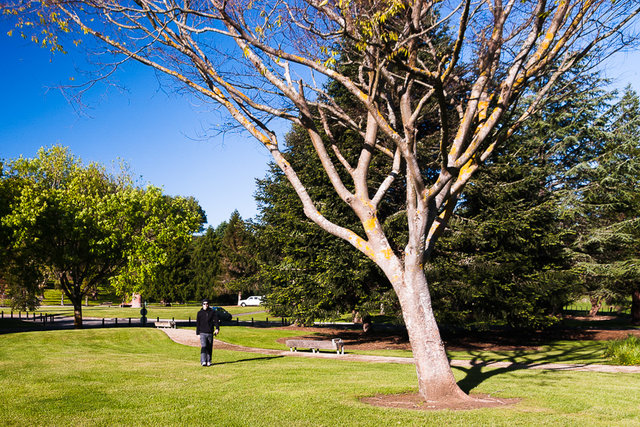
188, 337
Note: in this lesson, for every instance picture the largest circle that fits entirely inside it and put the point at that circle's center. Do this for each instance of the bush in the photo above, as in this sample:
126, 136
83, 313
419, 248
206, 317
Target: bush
624, 352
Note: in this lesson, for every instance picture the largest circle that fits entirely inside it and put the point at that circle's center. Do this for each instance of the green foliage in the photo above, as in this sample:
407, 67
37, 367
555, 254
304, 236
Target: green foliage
237, 256
205, 263
173, 280
504, 259
624, 352
604, 206
81, 227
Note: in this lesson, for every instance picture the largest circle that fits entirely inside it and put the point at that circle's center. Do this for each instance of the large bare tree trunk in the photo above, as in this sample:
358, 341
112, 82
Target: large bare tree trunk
435, 378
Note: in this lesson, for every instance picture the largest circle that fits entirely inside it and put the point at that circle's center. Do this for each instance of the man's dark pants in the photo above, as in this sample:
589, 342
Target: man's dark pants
206, 347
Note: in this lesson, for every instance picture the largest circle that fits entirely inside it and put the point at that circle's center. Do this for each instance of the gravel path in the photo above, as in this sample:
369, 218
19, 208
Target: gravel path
188, 337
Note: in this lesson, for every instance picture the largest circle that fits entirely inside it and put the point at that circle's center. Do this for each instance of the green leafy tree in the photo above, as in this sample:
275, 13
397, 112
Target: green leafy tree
87, 228
15, 265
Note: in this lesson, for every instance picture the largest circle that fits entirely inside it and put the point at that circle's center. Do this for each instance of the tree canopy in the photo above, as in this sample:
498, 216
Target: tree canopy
604, 204
81, 227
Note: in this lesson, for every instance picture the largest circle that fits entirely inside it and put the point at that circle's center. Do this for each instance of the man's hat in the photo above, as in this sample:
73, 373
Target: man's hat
205, 300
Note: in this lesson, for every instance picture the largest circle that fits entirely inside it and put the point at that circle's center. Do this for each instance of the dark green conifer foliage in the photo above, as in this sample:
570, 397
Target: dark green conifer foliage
606, 207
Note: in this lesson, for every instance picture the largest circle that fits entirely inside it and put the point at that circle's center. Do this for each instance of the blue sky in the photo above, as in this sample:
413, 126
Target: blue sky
158, 133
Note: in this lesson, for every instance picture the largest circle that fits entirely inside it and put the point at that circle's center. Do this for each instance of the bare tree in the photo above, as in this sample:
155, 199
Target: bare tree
266, 61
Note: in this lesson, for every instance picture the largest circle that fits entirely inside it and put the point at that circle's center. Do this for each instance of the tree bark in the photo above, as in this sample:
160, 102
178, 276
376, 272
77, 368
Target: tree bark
435, 378
635, 307
77, 313
596, 303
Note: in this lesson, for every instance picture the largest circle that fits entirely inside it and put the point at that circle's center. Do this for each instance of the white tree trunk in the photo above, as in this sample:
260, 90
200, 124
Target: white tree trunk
435, 378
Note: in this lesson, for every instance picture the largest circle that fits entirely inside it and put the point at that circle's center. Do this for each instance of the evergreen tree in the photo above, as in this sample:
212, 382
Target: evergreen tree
205, 264
606, 208
237, 256
505, 258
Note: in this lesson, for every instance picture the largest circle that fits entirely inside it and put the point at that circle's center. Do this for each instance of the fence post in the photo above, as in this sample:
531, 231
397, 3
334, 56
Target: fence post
103, 321
267, 321
116, 321
237, 321
189, 320
129, 321
252, 321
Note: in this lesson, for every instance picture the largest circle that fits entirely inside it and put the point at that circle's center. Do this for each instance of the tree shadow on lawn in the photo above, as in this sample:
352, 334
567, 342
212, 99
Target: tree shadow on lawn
249, 359
522, 359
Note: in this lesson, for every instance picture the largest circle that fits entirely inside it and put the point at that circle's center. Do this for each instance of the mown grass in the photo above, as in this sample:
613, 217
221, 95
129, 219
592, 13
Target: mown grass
134, 376
581, 352
181, 312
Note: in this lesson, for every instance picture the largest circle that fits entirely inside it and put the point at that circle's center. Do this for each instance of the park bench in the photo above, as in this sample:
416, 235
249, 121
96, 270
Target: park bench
109, 303
315, 345
165, 324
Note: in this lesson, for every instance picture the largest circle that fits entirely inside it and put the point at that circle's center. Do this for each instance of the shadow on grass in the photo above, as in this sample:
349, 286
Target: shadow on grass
481, 367
10, 326
249, 359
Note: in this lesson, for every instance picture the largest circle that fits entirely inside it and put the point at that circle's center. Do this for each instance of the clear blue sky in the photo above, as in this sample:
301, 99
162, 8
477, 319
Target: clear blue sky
157, 133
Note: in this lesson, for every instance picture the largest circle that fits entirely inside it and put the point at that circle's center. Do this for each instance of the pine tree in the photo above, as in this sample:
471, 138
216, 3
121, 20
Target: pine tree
606, 207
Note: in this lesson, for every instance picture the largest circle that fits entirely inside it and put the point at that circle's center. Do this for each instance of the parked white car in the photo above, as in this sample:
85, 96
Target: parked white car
252, 300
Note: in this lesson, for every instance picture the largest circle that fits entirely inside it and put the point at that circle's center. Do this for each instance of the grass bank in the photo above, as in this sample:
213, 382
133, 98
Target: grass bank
139, 377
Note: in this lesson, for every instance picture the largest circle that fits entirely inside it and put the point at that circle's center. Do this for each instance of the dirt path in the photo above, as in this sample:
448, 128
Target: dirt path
188, 337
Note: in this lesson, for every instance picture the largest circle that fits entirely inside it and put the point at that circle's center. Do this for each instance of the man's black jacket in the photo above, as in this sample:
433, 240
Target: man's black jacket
207, 321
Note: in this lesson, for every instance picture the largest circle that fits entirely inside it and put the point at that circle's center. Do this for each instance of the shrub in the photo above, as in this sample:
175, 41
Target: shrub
624, 352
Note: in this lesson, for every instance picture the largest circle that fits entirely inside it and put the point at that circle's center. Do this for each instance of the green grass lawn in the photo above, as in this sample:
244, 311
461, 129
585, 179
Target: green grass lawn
179, 312
589, 352
133, 376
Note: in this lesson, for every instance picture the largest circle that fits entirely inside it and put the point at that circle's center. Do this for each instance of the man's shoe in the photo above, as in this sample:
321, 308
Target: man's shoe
208, 363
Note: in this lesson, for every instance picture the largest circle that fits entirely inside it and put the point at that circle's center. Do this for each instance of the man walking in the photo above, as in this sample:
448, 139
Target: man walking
207, 325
